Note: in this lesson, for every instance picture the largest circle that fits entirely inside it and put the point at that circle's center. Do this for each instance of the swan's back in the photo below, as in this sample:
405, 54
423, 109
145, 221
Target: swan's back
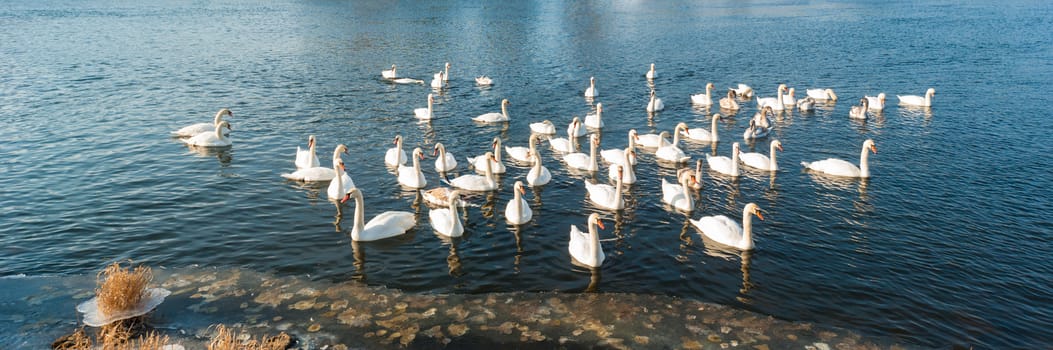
670, 191
311, 174
720, 164
543, 128
491, 117
755, 160
194, 129
579, 248
392, 154
833, 166
515, 217
720, 228
472, 182
387, 224
208, 139
442, 220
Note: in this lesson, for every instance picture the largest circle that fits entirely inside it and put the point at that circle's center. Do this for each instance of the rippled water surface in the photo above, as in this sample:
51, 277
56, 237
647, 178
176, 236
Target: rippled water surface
948, 244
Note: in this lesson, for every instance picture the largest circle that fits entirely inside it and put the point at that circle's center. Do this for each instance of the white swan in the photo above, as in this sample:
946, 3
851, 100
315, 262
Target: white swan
307, 158
700, 134
395, 156
543, 127
446, 74
483, 80
472, 182
387, 224
539, 174
651, 74
760, 161
822, 94
581, 161
446, 220
522, 154
705, 99
595, 120
754, 132
412, 176
407, 81
697, 183
655, 104
425, 113
586, 250
617, 155
763, 117
788, 99
628, 175
389, 73
876, 103
445, 161
518, 212
591, 90
440, 197
729, 102
194, 129
651, 140
341, 182
318, 173
806, 104
606, 196
725, 165
438, 81
493, 117
211, 139
743, 90
914, 100
859, 111
671, 152
568, 144
495, 162
677, 194
574, 129
774, 102
726, 231
838, 167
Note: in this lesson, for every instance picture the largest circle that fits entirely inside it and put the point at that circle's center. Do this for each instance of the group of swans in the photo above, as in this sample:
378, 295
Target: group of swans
207, 134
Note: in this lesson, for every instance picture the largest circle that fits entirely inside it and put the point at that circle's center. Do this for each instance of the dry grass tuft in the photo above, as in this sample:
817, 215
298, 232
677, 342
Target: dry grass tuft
121, 289
151, 341
226, 339
79, 340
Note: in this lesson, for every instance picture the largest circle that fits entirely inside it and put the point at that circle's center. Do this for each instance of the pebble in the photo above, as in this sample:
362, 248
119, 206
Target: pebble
314, 328
457, 329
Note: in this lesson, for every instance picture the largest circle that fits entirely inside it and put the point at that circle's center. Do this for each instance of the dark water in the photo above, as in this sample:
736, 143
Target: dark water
947, 244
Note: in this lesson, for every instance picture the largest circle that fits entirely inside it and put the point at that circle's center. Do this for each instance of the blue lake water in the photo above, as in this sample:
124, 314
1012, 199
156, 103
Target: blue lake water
948, 243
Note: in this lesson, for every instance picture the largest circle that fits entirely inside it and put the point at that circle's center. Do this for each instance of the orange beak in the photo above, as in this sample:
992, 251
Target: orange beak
759, 215
779, 147
873, 149
435, 151
346, 197
600, 224
522, 191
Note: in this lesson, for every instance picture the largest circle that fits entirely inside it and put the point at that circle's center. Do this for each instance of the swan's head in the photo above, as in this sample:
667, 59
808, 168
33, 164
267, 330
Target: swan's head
393, 67
435, 149
869, 144
310, 141
716, 116
518, 187
341, 148
652, 93
352, 192
735, 148
864, 102
547, 122
224, 124
663, 135
831, 94
652, 66
930, 92
594, 218
710, 86
447, 65
491, 156
505, 102
782, 87
496, 144
417, 152
454, 196
595, 139
633, 135
592, 80
398, 140
599, 107
777, 144
431, 97
681, 126
881, 97
228, 113
619, 169
753, 209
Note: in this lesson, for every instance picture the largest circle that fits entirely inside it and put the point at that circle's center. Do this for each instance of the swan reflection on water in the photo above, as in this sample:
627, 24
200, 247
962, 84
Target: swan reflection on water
223, 154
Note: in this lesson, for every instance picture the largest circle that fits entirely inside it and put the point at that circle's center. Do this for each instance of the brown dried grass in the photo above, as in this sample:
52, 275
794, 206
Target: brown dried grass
227, 339
78, 340
121, 289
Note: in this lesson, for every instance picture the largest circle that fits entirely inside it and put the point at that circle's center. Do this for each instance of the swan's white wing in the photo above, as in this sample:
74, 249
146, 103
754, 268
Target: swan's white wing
833, 166
387, 224
720, 164
311, 174
719, 228
755, 160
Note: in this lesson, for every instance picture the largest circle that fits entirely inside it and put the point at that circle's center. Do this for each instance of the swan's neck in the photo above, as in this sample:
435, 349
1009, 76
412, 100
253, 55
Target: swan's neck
429, 106
517, 202
398, 152
360, 216
454, 215
218, 119
219, 132
698, 169
735, 161
685, 184
632, 142
772, 165
864, 168
339, 173
497, 151
676, 138
594, 240
416, 167
747, 230
593, 164
709, 89
489, 172
618, 190
504, 110
533, 145
442, 157
713, 130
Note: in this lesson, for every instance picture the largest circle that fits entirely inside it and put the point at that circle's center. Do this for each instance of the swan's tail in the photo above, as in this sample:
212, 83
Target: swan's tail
806, 165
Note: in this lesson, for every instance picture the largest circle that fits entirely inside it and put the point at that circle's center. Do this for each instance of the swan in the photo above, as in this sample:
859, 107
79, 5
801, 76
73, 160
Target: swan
194, 129
697, 184
411, 176
387, 224
788, 99
743, 90
595, 120
729, 102
495, 162
317, 173
591, 90
306, 158
651, 74
725, 231
876, 103
754, 132
445, 161
522, 154
407, 81
495, 117
806, 104
837, 167
581, 161
539, 174
760, 161
586, 250
574, 129
389, 73
446, 73
518, 212
705, 99
655, 104
438, 81
628, 175
395, 156
446, 220
568, 144
860, 111
543, 127
725, 165
425, 113
341, 182
483, 80
763, 117
670, 152
606, 196
914, 100
677, 194
440, 197
822, 94
650, 140
700, 134
474, 182
211, 139
617, 155
774, 102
